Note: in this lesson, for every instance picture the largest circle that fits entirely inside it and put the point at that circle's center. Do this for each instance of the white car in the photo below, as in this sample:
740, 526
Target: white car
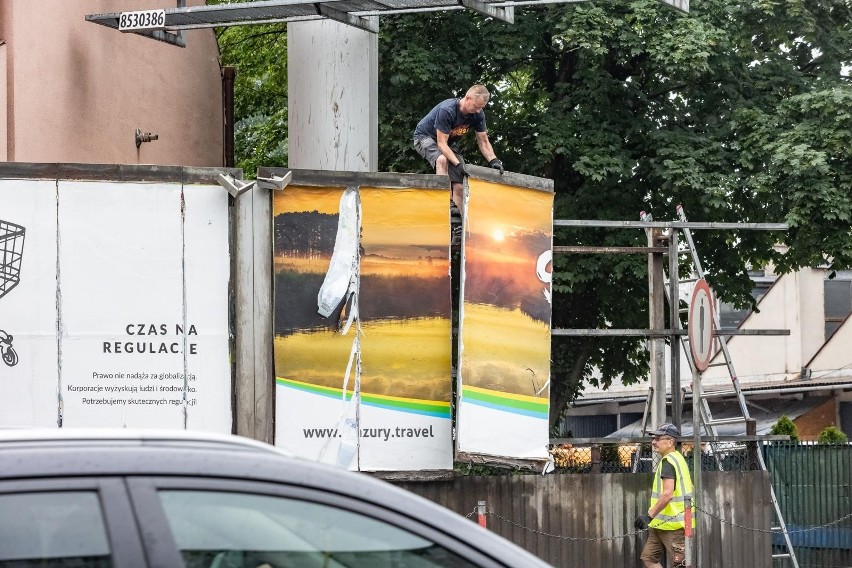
103, 498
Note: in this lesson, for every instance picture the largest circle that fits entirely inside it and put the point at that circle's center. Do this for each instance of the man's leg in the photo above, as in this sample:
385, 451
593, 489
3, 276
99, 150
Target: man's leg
675, 546
653, 550
458, 194
441, 164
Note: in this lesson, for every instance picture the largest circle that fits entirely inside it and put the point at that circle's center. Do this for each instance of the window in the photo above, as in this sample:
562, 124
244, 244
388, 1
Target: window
235, 530
52, 530
838, 300
731, 317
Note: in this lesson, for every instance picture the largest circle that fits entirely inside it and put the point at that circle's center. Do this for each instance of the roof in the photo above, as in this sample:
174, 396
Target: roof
766, 415
352, 12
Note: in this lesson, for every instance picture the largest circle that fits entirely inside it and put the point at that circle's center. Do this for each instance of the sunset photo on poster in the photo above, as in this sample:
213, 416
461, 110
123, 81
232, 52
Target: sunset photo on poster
404, 288
405, 293
506, 315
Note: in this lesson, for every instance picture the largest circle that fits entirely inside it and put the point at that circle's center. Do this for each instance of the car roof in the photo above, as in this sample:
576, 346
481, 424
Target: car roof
41, 436
78, 452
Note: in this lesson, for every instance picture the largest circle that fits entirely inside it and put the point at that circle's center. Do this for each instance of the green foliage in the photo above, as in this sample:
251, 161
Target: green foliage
259, 54
609, 454
631, 106
739, 111
785, 427
833, 435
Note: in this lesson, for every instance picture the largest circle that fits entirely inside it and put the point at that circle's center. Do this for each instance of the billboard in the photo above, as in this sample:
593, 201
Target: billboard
363, 325
120, 314
504, 332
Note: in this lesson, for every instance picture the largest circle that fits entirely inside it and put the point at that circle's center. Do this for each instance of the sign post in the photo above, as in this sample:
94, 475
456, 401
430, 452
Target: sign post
701, 334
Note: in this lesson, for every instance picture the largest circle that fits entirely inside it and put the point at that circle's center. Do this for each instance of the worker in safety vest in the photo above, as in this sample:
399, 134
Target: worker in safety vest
665, 519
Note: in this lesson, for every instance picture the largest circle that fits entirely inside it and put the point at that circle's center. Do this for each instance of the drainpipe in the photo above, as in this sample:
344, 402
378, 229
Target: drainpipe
228, 74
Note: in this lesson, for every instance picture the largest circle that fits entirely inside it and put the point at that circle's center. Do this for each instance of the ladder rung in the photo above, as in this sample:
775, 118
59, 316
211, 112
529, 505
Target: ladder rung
726, 421
784, 555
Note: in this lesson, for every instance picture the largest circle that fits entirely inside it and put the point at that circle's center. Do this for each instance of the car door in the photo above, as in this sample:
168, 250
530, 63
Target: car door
231, 523
59, 522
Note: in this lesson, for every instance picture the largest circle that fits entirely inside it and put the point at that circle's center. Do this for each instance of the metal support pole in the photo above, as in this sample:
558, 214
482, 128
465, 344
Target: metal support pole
696, 462
656, 314
480, 514
687, 533
674, 320
228, 75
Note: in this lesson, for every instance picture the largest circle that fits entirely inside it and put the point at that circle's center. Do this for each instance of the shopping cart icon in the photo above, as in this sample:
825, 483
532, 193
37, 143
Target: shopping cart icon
11, 253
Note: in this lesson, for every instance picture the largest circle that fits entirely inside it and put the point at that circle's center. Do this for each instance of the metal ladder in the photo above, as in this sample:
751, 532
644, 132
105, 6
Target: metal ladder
706, 416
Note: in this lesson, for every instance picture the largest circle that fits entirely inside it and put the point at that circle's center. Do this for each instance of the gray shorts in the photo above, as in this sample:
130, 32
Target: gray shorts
428, 148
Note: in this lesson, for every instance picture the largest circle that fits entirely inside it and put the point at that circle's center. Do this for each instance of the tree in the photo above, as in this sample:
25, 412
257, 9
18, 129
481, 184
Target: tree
833, 435
739, 111
785, 427
259, 54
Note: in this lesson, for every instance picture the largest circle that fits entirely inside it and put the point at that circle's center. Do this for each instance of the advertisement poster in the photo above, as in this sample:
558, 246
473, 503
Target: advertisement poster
129, 288
504, 334
405, 307
398, 347
29, 363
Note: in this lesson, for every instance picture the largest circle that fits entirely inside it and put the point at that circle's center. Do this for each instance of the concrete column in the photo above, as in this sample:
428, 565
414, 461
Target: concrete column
332, 82
332, 91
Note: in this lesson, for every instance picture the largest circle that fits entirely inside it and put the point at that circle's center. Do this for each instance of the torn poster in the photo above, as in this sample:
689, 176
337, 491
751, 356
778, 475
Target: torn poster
403, 305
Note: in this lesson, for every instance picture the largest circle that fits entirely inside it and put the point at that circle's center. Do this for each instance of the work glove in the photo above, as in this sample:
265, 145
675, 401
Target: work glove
462, 169
496, 164
641, 522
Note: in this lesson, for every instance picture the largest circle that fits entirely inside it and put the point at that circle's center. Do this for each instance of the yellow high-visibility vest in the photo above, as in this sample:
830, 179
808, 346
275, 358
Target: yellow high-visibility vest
672, 517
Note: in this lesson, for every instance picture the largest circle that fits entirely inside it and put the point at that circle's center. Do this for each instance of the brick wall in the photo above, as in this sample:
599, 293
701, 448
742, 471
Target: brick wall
814, 421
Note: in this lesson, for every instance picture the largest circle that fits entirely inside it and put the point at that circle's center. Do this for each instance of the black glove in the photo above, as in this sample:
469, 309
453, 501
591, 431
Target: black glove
462, 169
641, 522
496, 164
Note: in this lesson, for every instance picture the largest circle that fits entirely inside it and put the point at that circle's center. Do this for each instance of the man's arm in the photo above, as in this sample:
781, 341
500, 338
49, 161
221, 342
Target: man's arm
485, 146
442, 139
665, 497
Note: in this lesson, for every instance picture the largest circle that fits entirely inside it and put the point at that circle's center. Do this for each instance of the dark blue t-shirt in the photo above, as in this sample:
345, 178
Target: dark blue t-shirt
447, 117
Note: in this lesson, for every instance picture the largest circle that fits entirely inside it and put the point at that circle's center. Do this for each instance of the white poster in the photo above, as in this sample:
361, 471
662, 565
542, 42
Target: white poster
127, 293
28, 371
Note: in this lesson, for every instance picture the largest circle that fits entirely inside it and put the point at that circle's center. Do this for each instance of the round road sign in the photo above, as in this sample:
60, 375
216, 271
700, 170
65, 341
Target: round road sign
700, 325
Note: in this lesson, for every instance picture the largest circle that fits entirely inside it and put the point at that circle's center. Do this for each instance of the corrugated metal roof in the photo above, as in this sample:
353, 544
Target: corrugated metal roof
352, 12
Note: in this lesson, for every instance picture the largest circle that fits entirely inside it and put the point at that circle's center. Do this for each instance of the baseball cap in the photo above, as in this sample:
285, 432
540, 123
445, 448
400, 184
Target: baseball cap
667, 429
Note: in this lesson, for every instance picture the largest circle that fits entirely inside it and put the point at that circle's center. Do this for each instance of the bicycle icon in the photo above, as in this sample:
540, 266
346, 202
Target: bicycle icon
11, 253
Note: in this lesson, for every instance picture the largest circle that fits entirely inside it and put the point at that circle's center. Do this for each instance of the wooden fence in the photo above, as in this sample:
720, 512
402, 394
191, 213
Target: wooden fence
587, 520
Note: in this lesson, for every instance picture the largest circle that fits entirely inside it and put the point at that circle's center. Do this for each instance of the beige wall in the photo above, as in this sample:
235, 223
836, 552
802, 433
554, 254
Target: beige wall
77, 91
3, 120
794, 302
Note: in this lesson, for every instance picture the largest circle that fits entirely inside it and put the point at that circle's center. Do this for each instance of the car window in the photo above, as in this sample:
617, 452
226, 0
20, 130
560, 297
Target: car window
235, 530
52, 529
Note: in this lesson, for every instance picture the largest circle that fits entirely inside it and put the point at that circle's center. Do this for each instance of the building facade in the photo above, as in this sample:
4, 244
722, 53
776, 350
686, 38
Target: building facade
806, 375
76, 92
